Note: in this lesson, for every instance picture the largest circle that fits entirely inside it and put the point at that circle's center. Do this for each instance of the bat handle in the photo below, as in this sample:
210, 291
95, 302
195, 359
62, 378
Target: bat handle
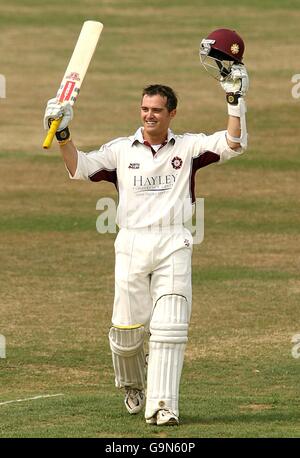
51, 132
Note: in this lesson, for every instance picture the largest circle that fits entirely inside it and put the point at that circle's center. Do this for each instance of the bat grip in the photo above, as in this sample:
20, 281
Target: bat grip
51, 132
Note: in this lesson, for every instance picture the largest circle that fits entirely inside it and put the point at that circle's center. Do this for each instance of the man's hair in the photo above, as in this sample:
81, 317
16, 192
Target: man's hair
163, 91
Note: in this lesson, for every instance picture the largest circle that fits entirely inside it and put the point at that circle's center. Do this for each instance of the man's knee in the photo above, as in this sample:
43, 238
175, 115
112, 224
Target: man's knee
170, 319
126, 341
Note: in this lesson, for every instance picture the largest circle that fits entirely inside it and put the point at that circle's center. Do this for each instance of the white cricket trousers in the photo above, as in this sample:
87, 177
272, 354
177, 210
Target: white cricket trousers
149, 265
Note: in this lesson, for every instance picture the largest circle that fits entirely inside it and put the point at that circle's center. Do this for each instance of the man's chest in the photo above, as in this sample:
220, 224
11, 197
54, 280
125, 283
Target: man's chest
143, 168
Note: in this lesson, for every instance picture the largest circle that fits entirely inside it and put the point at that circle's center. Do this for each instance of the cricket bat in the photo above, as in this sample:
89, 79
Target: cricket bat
76, 70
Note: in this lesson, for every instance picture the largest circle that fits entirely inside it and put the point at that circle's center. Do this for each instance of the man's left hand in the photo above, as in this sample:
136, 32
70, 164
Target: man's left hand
237, 82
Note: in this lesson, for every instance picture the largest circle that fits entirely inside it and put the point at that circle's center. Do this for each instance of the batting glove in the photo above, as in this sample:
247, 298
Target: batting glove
237, 82
55, 110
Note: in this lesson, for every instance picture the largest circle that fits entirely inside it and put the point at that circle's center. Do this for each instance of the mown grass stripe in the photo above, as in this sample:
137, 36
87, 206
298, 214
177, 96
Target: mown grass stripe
238, 273
59, 223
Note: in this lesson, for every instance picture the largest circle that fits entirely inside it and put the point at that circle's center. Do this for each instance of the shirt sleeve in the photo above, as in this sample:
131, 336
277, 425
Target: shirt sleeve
213, 148
97, 165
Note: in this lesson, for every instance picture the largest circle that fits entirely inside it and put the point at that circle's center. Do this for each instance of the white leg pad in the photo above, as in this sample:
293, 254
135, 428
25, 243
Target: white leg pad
127, 346
169, 334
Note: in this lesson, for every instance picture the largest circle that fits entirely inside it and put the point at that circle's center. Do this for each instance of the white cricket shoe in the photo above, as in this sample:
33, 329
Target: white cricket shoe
134, 400
163, 417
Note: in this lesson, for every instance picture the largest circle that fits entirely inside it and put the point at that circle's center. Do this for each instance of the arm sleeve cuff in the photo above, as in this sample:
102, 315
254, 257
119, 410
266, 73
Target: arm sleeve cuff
81, 172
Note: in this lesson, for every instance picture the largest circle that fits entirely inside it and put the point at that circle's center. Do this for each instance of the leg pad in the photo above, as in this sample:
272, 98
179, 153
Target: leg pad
169, 334
127, 346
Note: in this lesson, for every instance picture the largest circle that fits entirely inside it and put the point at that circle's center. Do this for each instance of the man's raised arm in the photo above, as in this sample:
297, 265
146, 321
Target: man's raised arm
236, 86
68, 150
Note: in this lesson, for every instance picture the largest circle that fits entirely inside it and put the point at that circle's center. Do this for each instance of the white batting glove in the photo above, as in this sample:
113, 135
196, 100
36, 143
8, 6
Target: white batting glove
55, 110
238, 80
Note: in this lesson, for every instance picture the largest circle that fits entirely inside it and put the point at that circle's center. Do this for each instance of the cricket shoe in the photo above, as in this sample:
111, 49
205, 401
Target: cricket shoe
134, 400
163, 417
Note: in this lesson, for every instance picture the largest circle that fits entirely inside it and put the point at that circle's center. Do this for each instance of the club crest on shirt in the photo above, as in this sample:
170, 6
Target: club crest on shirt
176, 162
134, 165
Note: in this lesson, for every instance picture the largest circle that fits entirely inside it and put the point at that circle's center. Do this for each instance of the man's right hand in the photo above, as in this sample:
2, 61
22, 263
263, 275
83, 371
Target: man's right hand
55, 110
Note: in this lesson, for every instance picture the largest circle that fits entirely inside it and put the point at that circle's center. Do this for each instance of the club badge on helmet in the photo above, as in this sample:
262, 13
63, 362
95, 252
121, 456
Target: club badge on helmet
219, 51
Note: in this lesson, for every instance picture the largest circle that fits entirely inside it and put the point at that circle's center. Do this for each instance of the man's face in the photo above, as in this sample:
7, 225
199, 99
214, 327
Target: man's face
155, 116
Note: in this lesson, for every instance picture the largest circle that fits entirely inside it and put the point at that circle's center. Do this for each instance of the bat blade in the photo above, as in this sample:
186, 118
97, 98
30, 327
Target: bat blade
76, 70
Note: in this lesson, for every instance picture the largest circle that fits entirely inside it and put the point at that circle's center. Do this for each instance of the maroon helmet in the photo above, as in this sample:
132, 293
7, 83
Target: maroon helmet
221, 49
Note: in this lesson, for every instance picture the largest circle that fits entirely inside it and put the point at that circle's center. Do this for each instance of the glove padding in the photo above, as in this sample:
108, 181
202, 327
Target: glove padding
237, 82
55, 110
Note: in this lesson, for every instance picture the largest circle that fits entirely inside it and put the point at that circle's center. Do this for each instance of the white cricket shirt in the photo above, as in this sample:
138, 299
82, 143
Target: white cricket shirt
156, 188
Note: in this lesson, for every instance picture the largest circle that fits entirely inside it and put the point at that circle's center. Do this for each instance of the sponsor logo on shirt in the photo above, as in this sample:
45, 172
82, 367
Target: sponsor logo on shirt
134, 165
156, 183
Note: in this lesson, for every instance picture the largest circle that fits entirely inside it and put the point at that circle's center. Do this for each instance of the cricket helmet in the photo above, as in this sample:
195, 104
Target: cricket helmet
221, 49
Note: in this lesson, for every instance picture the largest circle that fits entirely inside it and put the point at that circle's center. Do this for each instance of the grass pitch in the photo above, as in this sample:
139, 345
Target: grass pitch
56, 283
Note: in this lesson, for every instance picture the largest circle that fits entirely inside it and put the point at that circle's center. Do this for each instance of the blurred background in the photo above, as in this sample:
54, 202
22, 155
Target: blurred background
56, 272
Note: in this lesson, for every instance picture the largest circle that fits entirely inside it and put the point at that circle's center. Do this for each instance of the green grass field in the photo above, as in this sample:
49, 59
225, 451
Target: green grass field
56, 272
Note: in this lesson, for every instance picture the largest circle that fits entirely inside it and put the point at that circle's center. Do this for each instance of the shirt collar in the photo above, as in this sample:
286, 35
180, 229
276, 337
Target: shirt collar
138, 136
